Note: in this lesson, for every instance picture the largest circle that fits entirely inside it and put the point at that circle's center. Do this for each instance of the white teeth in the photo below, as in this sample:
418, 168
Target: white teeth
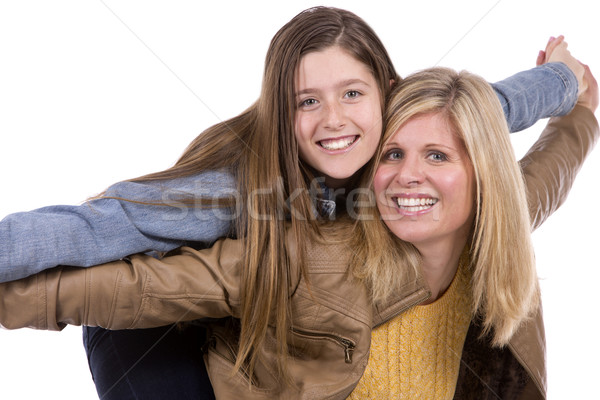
412, 201
415, 204
338, 144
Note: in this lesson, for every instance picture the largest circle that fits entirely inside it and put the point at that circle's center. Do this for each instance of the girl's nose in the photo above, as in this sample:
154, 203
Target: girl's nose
334, 117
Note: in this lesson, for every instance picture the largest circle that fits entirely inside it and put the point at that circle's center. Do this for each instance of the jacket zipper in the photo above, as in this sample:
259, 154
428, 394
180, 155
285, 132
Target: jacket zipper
348, 345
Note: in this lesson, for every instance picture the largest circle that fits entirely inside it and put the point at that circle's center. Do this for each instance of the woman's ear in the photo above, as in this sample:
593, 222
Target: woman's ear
392, 83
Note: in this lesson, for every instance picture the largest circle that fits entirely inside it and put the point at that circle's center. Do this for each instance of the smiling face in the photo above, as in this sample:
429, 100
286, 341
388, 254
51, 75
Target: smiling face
425, 183
338, 120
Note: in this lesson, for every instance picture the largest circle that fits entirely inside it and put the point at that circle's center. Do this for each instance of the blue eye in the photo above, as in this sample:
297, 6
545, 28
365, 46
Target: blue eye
438, 156
394, 155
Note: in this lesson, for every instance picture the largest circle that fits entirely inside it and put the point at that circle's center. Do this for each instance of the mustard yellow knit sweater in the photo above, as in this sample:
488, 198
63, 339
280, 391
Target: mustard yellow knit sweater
417, 354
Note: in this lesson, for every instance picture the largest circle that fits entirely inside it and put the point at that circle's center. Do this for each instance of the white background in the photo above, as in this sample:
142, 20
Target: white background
93, 92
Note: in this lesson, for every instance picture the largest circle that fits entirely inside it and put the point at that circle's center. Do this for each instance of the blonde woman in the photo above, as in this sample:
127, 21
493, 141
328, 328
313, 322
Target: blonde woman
476, 330
449, 185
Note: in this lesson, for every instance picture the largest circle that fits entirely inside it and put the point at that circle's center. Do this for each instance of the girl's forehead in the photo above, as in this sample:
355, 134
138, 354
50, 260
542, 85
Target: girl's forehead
329, 68
333, 56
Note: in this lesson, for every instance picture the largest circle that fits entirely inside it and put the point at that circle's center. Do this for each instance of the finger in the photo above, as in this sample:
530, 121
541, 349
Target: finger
541, 58
553, 44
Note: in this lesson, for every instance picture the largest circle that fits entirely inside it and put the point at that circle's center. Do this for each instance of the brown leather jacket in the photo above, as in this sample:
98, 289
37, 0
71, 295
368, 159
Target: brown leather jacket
332, 317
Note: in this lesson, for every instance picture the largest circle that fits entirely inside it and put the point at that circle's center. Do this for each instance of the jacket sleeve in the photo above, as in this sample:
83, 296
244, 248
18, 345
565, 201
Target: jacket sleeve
546, 91
550, 166
140, 292
106, 229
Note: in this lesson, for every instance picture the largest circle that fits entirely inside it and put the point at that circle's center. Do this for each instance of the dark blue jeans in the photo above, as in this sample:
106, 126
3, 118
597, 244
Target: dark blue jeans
158, 363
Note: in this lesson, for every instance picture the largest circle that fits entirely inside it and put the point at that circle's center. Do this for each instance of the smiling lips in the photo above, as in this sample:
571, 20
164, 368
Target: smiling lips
338, 143
411, 204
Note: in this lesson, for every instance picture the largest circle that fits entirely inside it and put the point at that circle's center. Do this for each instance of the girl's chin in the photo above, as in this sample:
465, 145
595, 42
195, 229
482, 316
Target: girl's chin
338, 180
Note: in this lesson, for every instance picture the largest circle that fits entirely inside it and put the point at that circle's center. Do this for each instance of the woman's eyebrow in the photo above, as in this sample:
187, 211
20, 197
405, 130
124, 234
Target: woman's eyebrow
398, 143
390, 144
438, 145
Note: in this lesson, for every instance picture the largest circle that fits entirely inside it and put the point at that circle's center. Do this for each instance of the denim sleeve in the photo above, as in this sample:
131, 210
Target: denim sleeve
549, 90
152, 219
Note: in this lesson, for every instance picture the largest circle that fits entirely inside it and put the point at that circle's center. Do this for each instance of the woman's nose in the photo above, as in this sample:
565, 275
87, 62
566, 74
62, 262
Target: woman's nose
410, 172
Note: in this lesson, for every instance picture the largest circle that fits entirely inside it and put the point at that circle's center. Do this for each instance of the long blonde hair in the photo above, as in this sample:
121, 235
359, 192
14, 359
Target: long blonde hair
504, 280
259, 147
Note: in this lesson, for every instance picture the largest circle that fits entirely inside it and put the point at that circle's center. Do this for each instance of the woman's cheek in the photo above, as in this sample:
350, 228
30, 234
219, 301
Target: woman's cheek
381, 183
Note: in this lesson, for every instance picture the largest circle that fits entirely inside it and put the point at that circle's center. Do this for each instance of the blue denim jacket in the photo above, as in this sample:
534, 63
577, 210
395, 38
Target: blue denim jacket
107, 229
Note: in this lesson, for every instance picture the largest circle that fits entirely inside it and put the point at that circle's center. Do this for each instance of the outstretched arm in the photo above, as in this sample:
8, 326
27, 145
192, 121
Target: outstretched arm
110, 228
138, 292
549, 90
545, 91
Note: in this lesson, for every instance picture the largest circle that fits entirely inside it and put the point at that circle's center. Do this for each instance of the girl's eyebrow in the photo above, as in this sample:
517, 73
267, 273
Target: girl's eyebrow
347, 82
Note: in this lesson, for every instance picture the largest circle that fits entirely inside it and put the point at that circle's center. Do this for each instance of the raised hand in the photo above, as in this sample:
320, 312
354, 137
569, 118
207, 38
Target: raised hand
557, 51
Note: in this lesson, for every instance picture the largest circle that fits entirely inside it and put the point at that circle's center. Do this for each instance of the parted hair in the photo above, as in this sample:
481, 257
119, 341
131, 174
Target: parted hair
504, 280
259, 147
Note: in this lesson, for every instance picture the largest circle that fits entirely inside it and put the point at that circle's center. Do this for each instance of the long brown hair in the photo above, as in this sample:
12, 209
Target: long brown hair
259, 147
